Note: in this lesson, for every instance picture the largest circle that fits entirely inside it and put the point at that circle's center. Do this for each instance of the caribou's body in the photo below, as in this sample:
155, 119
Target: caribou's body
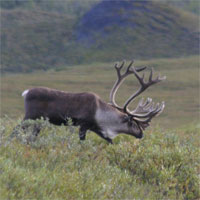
89, 112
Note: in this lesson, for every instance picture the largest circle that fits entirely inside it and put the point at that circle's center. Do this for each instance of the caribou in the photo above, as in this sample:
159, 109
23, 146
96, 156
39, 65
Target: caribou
88, 111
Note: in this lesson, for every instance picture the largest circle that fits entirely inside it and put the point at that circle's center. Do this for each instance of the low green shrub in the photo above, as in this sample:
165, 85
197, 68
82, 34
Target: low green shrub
57, 165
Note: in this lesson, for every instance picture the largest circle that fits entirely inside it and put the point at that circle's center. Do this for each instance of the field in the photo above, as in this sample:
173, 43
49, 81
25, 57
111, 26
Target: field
56, 165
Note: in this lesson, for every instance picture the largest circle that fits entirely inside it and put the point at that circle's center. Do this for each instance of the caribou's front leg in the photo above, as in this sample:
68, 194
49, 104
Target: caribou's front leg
82, 132
105, 138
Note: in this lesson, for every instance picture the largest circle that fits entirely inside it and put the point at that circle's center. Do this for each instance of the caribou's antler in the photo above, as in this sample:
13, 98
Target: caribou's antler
144, 111
121, 78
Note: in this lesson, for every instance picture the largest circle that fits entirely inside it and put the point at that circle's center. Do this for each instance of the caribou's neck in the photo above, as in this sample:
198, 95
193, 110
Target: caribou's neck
110, 121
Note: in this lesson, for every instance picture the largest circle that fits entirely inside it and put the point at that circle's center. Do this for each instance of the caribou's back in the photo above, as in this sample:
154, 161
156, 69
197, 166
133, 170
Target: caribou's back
57, 105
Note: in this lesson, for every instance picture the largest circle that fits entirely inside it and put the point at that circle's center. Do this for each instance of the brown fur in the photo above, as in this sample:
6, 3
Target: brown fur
58, 105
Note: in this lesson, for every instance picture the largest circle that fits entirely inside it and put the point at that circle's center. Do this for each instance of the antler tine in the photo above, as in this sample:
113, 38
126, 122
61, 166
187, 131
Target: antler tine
128, 68
161, 78
162, 106
151, 75
148, 102
141, 103
155, 113
118, 68
142, 107
123, 62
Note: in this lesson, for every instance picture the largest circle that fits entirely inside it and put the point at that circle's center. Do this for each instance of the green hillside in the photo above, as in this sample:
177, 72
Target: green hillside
188, 5
78, 7
75, 8
146, 29
33, 37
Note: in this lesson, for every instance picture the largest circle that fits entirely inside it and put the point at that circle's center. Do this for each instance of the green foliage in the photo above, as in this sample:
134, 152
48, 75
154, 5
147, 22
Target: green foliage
56, 165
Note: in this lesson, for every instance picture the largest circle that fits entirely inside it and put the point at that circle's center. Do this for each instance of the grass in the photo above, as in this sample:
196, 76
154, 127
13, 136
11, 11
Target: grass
57, 165
180, 91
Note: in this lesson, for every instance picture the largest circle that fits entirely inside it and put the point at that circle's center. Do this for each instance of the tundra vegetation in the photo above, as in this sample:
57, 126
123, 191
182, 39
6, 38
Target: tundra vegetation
57, 165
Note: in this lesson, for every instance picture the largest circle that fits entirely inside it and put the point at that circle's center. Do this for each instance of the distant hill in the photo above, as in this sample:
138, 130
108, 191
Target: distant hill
143, 29
75, 8
188, 5
35, 38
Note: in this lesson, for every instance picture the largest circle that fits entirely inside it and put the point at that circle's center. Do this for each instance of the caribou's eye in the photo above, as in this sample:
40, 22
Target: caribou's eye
130, 122
125, 119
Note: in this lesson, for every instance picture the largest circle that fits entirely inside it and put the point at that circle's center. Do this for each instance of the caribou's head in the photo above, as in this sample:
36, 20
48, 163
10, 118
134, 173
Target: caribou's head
138, 119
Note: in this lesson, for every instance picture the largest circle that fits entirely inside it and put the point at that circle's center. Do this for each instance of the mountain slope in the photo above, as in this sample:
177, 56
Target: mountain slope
33, 39
111, 30
141, 28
